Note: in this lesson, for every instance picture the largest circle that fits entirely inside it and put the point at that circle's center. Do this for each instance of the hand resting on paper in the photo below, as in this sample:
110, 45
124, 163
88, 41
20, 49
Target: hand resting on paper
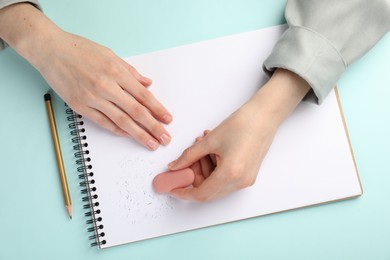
89, 77
229, 157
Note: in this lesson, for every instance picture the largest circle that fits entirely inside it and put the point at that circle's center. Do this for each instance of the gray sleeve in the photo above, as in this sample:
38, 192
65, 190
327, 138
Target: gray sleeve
4, 3
324, 37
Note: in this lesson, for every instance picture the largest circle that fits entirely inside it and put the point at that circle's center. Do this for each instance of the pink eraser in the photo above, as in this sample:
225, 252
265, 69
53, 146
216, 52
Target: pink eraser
167, 181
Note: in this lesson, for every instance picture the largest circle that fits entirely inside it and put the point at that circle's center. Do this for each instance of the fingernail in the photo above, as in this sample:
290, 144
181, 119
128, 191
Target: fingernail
167, 118
165, 139
153, 145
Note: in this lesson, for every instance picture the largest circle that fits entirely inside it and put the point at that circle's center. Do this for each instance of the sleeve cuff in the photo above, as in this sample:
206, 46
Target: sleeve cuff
5, 3
309, 55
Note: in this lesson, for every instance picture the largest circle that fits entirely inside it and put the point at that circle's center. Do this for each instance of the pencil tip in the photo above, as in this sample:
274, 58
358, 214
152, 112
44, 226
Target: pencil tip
69, 210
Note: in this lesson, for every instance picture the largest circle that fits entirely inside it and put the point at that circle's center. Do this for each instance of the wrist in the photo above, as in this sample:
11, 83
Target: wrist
27, 30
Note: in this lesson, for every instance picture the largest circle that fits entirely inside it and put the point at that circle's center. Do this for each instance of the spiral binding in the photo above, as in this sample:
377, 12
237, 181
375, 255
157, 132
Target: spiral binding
86, 177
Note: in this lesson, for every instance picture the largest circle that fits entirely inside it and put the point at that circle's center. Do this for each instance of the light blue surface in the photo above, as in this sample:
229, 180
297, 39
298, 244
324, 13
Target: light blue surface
33, 221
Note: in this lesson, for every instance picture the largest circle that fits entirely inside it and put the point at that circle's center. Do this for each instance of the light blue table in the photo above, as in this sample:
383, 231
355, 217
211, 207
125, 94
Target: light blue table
33, 222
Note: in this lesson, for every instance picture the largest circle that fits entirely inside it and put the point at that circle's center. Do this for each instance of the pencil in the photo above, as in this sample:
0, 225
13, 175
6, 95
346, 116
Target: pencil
57, 149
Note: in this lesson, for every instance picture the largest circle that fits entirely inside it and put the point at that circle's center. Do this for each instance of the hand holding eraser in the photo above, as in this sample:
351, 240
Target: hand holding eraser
170, 180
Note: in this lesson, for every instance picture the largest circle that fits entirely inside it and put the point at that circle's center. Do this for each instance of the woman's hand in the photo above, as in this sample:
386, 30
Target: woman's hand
229, 157
101, 86
90, 78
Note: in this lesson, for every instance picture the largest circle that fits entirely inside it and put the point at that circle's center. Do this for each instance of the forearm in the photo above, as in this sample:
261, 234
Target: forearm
26, 29
279, 97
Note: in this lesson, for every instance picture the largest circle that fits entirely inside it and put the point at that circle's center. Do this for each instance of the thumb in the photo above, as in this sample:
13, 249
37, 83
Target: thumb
190, 155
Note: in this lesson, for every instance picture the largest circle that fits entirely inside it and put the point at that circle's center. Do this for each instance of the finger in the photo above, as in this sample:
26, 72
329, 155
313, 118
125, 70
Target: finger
216, 186
102, 120
212, 156
145, 81
207, 191
197, 168
126, 123
145, 98
191, 155
142, 116
198, 174
206, 166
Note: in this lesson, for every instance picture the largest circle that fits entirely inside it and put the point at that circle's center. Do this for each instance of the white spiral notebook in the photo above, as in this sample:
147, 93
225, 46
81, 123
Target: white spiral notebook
310, 161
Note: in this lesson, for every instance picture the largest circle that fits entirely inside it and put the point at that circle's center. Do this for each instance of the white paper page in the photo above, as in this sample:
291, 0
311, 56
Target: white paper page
201, 84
